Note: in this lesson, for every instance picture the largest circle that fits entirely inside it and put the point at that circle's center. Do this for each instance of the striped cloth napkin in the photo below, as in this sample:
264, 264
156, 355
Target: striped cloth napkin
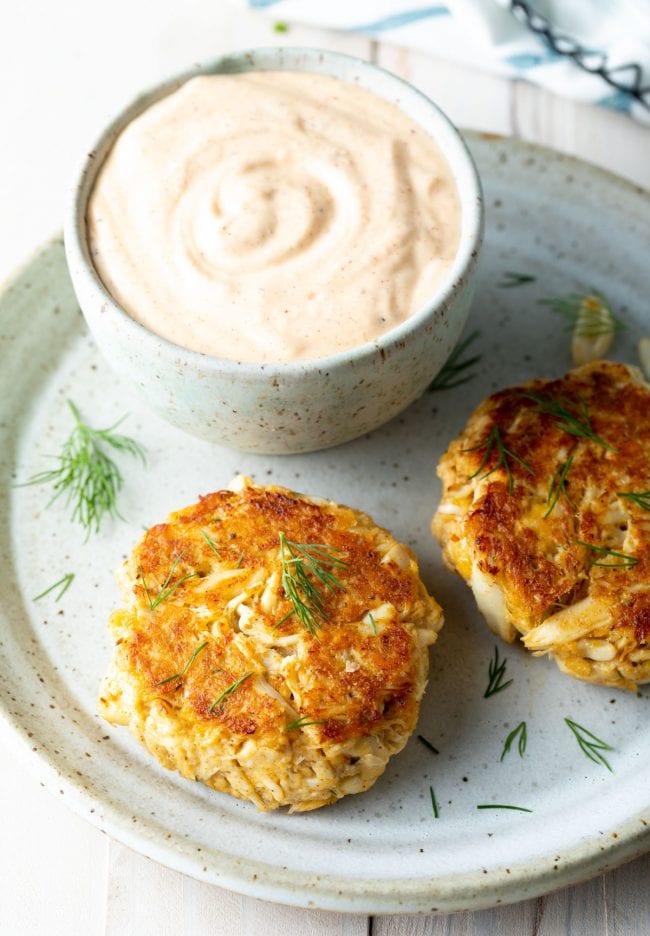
596, 51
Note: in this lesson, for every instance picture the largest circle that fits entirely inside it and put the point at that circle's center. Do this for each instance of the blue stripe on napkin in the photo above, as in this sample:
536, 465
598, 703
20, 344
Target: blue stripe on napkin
618, 100
529, 60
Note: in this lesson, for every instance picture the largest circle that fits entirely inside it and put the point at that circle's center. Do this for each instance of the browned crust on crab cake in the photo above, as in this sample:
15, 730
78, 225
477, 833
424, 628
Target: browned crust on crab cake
360, 677
529, 573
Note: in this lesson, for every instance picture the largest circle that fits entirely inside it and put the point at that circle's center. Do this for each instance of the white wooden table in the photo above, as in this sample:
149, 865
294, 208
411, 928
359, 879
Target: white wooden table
63, 68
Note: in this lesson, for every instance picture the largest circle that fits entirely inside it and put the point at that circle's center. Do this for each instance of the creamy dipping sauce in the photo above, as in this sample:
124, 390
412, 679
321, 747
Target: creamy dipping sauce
273, 216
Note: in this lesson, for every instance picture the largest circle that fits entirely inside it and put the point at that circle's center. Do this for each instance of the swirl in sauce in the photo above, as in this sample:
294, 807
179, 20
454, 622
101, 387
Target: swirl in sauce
272, 216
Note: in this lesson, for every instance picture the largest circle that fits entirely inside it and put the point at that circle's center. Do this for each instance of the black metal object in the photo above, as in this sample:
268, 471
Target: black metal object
593, 62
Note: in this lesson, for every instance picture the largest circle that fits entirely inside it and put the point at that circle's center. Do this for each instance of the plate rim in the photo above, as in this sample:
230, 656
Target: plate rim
448, 893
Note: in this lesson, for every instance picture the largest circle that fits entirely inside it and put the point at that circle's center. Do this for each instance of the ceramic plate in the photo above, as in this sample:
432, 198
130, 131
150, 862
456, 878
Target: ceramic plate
571, 227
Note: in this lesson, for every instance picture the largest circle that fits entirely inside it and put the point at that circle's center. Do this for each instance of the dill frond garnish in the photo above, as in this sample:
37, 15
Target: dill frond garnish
85, 474
511, 279
572, 417
226, 692
211, 543
496, 672
373, 623
587, 316
299, 560
304, 721
503, 806
590, 745
65, 582
451, 375
626, 563
427, 744
168, 587
522, 739
186, 667
640, 498
492, 443
558, 486
434, 805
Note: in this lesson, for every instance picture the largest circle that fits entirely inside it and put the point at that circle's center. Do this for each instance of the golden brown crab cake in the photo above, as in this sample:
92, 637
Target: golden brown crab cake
545, 514
222, 679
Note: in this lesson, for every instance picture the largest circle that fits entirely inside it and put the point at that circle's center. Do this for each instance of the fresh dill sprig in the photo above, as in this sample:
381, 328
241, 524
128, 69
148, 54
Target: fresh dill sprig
511, 279
590, 745
373, 623
434, 805
451, 374
168, 587
211, 543
587, 316
558, 486
65, 582
520, 731
186, 667
298, 561
503, 806
640, 498
572, 417
427, 744
304, 721
494, 441
226, 692
86, 475
496, 672
626, 563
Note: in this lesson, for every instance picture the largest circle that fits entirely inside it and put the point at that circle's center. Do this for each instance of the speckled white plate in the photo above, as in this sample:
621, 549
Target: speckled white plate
572, 227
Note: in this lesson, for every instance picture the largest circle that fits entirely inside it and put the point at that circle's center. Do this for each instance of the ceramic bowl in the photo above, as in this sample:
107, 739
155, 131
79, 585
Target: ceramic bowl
299, 406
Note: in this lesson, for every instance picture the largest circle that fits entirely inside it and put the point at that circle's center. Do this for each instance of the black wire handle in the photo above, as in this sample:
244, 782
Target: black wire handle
593, 62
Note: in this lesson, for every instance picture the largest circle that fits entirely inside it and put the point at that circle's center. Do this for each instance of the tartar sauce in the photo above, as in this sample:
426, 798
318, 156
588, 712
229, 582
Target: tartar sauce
272, 216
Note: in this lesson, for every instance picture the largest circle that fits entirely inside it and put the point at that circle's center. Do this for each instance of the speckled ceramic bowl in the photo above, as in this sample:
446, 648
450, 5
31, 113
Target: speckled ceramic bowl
299, 406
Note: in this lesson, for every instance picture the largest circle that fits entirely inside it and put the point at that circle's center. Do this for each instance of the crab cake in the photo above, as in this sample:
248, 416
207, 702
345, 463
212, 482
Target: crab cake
545, 514
273, 646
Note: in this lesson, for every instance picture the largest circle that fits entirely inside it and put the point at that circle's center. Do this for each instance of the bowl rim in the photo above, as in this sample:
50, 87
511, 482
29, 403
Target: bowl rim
280, 58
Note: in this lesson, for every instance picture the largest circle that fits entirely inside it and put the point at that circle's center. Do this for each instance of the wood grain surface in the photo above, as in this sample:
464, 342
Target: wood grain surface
67, 64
